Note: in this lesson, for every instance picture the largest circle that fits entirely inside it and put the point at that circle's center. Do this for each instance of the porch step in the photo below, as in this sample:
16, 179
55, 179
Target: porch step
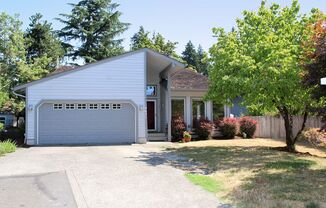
157, 137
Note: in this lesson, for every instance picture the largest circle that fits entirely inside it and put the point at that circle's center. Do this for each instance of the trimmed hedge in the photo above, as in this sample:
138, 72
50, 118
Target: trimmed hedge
228, 127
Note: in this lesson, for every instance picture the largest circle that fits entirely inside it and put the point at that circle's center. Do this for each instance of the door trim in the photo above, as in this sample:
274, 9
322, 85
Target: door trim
155, 126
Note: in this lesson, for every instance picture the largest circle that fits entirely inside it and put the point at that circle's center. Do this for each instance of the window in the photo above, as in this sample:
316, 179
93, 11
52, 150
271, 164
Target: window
151, 90
57, 106
178, 108
116, 106
218, 111
93, 106
105, 106
81, 106
70, 106
3, 120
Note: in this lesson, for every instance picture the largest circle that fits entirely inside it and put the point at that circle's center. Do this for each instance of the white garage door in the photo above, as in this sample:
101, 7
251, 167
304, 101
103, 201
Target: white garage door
86, 123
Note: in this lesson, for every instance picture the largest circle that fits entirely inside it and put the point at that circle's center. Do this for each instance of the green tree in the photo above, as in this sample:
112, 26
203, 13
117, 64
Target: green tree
196, 59
157, 42
41, 42
203, 63
261, 62
13, 66
190, 56
95, 26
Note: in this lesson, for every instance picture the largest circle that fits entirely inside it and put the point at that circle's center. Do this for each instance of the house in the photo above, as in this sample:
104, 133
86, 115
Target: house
129, 98
7, 119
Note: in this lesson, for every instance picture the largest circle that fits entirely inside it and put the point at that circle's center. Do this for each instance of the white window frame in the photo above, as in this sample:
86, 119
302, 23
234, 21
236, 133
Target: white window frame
70, 106
155, 90
116, 106
57, 106
82, 106
93, 106
105, 106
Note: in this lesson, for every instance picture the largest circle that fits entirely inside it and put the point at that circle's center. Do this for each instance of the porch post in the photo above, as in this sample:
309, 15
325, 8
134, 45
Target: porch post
169, 108
188, 113
209, 111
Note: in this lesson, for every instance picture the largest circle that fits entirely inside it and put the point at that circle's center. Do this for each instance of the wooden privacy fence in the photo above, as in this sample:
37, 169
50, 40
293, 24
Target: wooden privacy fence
273, 127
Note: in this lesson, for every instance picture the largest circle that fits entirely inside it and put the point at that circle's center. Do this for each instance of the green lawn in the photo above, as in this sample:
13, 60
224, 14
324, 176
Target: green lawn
7, 147
257, 175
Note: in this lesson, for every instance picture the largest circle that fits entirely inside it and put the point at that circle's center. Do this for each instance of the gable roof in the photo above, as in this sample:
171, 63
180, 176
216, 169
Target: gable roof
186, 79
72, 70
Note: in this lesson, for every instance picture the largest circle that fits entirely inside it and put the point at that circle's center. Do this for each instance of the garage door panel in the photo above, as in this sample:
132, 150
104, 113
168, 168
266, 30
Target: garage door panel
76, 126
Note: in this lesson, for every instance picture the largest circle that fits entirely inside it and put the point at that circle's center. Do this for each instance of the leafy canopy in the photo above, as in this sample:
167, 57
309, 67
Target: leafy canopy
261, 60
95, 25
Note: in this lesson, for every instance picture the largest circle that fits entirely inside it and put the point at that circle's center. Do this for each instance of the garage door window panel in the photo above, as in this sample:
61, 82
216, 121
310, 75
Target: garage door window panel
116, 106
81, 106
57, 106
105, 106
70, 106
93, 106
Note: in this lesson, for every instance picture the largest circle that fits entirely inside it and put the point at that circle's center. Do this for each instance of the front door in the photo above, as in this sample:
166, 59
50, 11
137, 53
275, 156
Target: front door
151, 115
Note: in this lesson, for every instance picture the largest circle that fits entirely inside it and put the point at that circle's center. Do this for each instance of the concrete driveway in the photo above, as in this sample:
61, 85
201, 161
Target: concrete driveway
96, 177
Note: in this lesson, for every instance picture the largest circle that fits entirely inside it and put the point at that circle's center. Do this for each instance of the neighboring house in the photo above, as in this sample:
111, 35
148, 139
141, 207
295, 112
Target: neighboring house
323, 81
7, 119
125, 99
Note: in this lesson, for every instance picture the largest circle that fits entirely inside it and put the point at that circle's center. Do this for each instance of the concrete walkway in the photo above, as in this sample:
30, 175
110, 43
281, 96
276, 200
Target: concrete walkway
105, 176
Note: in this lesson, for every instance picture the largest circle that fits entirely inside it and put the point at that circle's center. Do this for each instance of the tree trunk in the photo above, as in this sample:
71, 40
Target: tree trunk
288, 124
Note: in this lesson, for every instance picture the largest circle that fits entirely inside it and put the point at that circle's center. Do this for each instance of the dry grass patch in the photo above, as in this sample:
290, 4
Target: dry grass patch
254, 174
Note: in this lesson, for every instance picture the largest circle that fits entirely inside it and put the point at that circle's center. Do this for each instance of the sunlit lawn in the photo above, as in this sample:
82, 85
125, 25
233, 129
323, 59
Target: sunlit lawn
250, 173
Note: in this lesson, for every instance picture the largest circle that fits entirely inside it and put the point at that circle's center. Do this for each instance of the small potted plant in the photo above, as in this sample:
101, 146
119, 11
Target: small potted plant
186, 136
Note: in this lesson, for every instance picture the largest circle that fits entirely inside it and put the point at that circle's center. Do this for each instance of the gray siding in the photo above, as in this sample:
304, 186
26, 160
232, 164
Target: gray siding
119, 79
98, 126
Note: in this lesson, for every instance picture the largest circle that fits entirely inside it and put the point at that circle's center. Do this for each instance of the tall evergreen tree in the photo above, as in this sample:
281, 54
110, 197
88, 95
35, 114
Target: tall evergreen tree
196, 59
189, 55
95, 25
202, 63
41, 41
157, 42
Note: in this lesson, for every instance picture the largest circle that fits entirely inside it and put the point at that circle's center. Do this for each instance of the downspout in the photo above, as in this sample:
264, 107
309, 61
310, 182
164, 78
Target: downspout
19, 95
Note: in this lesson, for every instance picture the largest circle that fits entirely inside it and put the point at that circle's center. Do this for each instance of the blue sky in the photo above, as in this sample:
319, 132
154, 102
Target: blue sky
177, 20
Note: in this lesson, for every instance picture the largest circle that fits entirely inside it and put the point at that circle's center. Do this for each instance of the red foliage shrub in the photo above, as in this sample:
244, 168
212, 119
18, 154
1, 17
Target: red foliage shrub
204, 128
248, 127
178, 126
228, 127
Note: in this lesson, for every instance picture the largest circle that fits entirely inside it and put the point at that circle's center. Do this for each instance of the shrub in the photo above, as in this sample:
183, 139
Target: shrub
228, 127
13, 133
315, 136
178, 126
204, 128
7, 147
247, 127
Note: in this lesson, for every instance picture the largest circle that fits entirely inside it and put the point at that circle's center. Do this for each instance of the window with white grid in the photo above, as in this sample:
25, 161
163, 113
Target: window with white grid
116, 106
105, 106
93, 106
70, 106
81, 106
57, 106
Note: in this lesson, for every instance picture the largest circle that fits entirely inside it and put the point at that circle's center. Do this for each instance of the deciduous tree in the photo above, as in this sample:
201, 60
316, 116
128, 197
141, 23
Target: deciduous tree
261, 61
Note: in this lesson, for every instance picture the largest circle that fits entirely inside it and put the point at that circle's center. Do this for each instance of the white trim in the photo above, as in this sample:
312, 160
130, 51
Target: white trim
323, 81
155, 126
108, 101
